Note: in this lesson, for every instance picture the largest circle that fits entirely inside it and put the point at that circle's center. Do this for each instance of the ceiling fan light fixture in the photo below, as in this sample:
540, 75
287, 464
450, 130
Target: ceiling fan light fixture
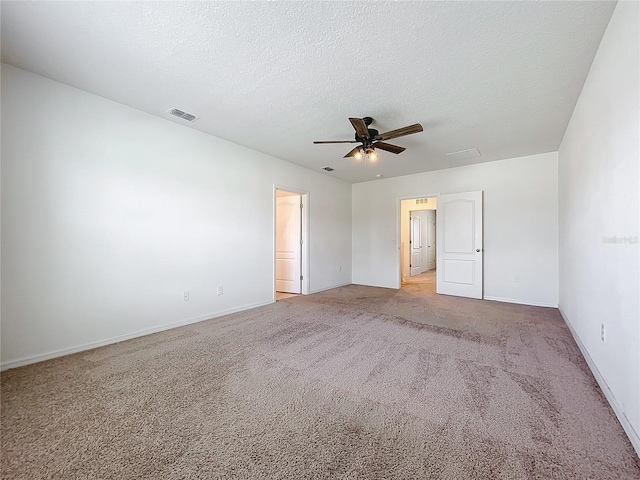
358, 155
372, 156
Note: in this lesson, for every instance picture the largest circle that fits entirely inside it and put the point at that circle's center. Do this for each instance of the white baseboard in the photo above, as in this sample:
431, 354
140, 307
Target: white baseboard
121, 338
330, 288
617, 409
520, 302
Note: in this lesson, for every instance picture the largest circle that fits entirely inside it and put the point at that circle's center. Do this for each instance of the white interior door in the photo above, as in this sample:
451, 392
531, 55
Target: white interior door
416, 246
288, 243
459, 245
431, 239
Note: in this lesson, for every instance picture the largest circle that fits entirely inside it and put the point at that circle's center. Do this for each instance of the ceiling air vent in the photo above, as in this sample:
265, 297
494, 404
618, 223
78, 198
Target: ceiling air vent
328, 169
464, 154
184, 115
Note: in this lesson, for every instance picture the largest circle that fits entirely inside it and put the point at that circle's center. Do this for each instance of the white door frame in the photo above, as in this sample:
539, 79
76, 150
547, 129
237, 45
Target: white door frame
304, 271
399, 230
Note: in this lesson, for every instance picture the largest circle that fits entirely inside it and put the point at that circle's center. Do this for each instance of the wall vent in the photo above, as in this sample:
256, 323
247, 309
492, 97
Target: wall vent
184, 115
328, 169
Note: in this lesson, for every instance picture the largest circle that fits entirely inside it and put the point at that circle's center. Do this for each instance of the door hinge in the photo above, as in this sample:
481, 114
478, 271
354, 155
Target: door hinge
301, 278
300, 241
300, 204
409, 265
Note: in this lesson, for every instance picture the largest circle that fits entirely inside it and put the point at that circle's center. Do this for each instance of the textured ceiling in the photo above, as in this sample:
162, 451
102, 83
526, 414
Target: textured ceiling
275, 76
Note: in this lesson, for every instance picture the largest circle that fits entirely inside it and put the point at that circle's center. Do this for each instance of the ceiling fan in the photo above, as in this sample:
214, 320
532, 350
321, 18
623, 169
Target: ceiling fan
371, 139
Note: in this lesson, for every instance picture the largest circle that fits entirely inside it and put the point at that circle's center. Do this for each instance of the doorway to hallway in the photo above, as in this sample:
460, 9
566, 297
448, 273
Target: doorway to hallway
291, 252
288, 242
418, 243
458, 242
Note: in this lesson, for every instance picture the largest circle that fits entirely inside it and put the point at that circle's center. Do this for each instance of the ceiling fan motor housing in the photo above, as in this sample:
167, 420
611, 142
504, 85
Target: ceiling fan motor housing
367, 141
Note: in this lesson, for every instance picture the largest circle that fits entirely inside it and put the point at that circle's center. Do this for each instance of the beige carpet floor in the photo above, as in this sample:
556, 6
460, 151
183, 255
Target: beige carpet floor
356, 382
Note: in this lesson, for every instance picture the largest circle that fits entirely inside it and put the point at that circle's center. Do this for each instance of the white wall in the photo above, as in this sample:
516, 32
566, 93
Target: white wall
520, 225
109, 214
599, 181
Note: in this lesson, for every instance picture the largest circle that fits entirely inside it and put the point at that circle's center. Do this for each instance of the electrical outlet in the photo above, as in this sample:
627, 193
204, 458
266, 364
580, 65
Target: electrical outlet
185, 297
516, 279
602, 332
220, 291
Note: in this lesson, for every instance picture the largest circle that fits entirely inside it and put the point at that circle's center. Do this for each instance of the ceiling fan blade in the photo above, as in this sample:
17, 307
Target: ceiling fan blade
388, 147
361, 127
352, 152
338, 141
401, 132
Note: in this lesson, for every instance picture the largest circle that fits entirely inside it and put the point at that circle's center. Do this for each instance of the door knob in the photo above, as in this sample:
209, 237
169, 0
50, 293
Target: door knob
477, 249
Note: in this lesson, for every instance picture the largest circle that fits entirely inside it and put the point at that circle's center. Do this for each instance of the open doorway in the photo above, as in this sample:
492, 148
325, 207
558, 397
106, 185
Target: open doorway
458, 246
290, 243
418, 244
